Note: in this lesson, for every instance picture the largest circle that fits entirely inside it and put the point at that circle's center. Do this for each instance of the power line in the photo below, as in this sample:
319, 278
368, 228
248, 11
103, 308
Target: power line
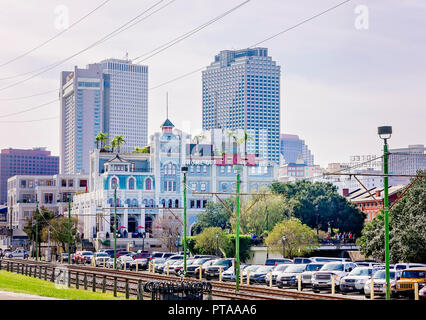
103, 39
28, 109
34, 120
51, 39
30, 96
264, 40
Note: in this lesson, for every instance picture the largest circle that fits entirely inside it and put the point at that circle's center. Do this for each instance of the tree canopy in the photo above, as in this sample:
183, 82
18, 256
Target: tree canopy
215, 215
407, 229
207, 243
299, 238
318, 204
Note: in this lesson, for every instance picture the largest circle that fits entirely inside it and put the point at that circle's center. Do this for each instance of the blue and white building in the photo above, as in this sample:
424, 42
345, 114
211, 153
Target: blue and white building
241, 90
110, 96
150, 185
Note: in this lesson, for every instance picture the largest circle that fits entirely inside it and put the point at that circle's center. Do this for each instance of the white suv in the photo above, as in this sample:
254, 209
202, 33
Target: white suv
356, 279
321, 280
310, 269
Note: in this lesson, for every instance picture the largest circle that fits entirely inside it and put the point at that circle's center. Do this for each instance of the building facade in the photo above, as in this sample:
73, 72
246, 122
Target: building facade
111, 97
150, 185
406, 161
291, 148
241, 90
34, 161
25, 192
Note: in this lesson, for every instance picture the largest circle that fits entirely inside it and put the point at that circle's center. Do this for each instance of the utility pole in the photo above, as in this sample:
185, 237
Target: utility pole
237, 238
184, 170
385, 133
69, 229
10, 227
115, 227
36, 233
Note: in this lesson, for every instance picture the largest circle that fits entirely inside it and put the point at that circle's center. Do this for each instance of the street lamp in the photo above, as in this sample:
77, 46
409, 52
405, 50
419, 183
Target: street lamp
69, 228
184, 170
283, 239
115, 225
385, 133
238, 168
217, 243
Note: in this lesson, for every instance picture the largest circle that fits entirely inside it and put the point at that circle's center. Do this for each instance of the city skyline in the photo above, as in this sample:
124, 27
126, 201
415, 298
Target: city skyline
334, 75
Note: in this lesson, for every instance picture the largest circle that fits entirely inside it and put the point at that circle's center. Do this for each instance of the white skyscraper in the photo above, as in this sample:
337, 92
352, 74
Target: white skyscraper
110, 96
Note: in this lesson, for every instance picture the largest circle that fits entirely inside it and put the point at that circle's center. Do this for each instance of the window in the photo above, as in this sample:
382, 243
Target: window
83, 183
64, 183
193, 186
70, 183
204, 169
192, 203
114, 183
132, 184
148, 184
203, 186
198, 169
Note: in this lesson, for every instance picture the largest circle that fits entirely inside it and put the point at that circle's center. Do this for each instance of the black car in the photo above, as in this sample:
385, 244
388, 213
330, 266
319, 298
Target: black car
275, 262
214, 270
190, 270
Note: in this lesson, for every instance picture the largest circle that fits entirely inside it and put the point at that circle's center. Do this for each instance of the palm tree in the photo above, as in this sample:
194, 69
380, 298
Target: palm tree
146, 149
119, 140
197, 140
230, 133
244, 140
102, 137
137, 149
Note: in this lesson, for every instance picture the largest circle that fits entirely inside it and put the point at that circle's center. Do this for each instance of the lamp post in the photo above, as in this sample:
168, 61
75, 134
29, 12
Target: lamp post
316, 210
283, 239
385, 133
115, 226
217, 243
69, 229
36, 233
238, 169
184, 169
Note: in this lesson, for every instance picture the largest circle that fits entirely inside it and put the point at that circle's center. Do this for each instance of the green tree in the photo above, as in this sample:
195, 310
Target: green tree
137, 149
43, 217
407, 228
59, 231
207, 242
215, 215
300, 239
264, 214
319, 204
117, 142
246, 137
229, 246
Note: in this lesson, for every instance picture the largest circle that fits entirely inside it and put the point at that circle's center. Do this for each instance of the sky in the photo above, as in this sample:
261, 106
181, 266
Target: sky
343, 74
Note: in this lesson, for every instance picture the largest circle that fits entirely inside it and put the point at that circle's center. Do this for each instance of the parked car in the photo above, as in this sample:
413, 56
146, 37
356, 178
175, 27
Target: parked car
157, 254
123, 253
274, 262
141, 263
213, 270
309, 271
80, 256
288, 278
101, 258
87, 257
422, 293
171, 265
329, 259
356, 279
405, 285
379, 283
158, 264
190, 270
251, 268
110, 263
109, 252
321, 280
124, 260
229, 274
178, 268
204, 267
175, 257
140, 255
63, 257
259, 275
18, 253
302, 260
402, 266
276, 272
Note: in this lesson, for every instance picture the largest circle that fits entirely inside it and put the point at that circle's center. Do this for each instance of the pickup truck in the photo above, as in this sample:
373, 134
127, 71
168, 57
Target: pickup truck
321, 280
18, 253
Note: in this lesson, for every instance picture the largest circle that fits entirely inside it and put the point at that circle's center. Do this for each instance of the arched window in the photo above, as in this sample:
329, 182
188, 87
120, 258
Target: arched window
132, 184
134, 203
148, 184
170, 203
114, 183
176, 203
163, 203
151, 203
128, 202
173, 170
145, 202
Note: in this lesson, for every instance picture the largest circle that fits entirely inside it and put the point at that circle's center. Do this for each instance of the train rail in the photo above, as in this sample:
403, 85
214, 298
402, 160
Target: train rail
105, 279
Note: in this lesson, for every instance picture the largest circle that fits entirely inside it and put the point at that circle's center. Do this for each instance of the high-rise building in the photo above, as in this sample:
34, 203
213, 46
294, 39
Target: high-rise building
241, 90
25, 161
291, 148
111, 97
406, 161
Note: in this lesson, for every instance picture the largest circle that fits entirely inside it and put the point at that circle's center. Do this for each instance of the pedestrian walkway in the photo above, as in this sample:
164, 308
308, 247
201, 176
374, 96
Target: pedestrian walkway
6, 295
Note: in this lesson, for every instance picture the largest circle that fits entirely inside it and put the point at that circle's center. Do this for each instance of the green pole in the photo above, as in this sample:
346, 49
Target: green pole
237, 238
386, 207
115, 228
69, 229
184, 223
36, 233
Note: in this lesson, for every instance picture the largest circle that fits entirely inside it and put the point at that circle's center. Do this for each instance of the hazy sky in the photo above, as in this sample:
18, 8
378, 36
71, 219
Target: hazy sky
338, 83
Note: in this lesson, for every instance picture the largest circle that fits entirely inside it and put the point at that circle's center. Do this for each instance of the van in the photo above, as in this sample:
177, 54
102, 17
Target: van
402, 266
328, 259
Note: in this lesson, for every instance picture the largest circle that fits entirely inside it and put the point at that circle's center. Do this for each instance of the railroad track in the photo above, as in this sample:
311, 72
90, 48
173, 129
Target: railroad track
220, 290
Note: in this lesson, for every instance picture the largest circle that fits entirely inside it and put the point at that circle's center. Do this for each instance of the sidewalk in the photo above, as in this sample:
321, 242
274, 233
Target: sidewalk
5, 295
